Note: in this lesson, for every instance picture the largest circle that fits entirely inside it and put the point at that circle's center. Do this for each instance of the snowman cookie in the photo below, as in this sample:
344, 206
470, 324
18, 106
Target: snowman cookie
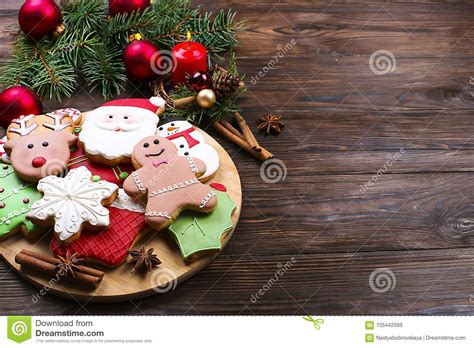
190, 142
169, 182
110, 132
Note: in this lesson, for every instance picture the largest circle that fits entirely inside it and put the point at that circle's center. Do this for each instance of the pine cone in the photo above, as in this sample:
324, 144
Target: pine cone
225, 84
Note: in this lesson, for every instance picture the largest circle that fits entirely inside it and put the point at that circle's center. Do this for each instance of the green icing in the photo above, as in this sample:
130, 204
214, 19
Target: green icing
15, 190
195, 232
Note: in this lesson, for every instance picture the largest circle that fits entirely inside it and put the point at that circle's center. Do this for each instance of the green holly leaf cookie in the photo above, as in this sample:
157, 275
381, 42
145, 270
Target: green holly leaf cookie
16, 198
196, 232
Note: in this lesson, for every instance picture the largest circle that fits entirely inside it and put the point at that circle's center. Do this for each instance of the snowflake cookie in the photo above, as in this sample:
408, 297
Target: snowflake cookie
73, 203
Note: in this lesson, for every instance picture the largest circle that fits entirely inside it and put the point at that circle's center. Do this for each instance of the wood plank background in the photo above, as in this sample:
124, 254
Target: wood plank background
413, 126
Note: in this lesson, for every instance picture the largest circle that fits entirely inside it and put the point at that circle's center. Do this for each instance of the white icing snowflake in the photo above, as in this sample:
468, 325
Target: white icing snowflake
72, 201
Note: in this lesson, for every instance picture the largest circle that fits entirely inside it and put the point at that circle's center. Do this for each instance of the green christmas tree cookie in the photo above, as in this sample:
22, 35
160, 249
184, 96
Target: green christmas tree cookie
16, 198
197, 232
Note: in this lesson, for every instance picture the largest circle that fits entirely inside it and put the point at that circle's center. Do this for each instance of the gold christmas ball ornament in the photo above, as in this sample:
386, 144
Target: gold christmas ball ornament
206, 98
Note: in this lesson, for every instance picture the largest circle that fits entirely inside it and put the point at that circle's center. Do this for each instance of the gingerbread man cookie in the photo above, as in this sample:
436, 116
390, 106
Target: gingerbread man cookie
73, 202
169, 181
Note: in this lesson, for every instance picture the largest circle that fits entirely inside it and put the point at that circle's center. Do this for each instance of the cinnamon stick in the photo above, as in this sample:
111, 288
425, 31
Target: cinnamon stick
263, 155
47, 265
231, 128
247, 132
54, 260
184, 101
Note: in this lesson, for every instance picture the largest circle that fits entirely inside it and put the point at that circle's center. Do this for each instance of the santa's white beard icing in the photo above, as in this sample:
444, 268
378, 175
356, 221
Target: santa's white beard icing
112, 132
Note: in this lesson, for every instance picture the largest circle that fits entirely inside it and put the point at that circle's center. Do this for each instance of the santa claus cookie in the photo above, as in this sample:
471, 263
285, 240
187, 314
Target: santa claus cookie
36, 154
190, 142
73, 203
169, 182
110, 132
110, 246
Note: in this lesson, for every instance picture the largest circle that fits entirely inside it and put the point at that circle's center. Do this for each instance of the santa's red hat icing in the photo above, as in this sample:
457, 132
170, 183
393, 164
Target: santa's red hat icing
146, 107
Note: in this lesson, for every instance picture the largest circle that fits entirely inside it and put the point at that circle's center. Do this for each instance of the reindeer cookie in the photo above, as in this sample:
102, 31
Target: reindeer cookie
169, 181
41, 148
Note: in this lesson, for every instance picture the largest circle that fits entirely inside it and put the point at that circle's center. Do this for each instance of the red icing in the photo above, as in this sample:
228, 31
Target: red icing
186, 134
109, 246
218, 187
38, 162
108, 173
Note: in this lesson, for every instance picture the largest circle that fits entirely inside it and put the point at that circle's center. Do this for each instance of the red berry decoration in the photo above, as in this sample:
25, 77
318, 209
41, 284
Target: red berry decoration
39, 18
199, 80
127, 6
17, 101
142, 60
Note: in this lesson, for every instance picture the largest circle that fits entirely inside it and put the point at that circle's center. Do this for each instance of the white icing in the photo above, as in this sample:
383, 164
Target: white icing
100, 137
125, 202
158, 101
74, 114
3, 155
158, 213
71, 201
23, 129
176, 186
57, 126
207, 199
202, 151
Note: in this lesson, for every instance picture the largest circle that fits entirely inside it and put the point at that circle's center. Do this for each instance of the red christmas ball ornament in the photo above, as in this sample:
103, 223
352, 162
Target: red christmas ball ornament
39, 18
127, 6
199, 80
142, 60
17, 101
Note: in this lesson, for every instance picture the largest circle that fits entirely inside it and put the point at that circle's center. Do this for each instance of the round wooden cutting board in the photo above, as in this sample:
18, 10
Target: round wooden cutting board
118, 283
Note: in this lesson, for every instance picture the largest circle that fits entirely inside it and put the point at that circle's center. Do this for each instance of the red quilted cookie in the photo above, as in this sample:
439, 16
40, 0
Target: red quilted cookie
110, 246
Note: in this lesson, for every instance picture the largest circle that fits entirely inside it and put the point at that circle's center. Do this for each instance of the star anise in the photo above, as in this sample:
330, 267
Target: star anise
271, 123
68, 264
143, 259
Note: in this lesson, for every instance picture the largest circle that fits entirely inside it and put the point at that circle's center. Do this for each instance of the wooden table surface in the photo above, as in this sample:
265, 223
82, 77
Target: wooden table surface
376, 213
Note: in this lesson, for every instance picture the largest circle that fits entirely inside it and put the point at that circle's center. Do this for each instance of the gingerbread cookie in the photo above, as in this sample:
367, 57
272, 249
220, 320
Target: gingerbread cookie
73, 203
110, 246
16, 198
190, 142
37, 156
198, 233
168, 180
110, 132
74, 114
114, 174
3, 155
39, 124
